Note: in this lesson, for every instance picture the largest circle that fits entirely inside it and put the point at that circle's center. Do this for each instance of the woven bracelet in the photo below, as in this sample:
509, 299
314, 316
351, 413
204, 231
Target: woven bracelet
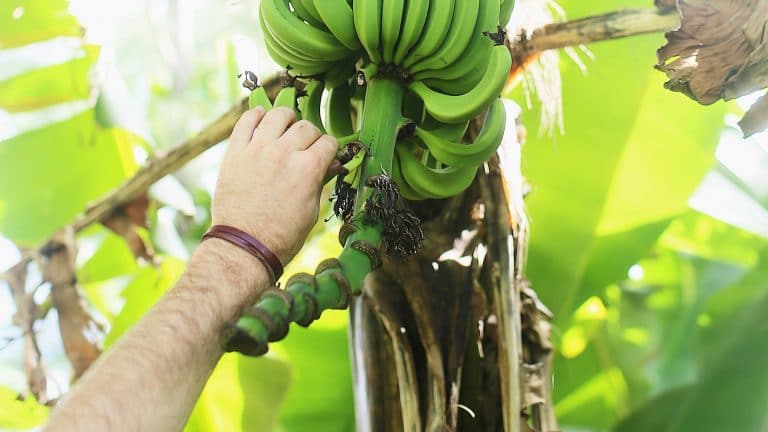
248, 243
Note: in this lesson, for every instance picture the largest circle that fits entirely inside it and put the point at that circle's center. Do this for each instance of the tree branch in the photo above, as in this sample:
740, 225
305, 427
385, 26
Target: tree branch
613, 25
161, 165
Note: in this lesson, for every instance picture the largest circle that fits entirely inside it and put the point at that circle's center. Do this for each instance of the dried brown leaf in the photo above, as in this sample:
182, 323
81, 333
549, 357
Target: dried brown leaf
75, 322
720, 50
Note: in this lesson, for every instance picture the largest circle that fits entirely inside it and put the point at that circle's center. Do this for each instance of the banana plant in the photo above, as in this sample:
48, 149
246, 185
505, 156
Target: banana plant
403, 79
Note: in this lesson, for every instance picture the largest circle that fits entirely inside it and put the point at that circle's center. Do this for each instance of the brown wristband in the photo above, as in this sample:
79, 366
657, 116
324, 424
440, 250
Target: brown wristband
248, 243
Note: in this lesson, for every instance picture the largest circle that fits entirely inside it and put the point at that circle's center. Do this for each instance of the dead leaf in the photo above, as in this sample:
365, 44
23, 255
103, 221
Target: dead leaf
756, 119
75, 322
720, 50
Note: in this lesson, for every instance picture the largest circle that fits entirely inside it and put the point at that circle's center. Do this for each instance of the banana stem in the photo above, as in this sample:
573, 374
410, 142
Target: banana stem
381, 119
335, 280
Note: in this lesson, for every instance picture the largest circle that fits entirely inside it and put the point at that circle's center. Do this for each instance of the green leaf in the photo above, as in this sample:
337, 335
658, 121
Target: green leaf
613, 178
147, 287
51, 173
321, 398
49, 85
731, 392
26, 21
243, 394
16, 413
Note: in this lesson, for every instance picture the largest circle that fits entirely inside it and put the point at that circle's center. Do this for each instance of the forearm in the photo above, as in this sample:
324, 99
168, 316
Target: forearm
171, 351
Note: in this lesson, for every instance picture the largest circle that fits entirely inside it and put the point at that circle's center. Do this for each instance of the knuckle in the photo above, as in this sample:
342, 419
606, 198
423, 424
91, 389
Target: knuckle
307, 126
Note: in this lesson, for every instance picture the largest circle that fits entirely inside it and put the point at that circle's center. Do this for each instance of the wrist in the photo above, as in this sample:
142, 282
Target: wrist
236, 278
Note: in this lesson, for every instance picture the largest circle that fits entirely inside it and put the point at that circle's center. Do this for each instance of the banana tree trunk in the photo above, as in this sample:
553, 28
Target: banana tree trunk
453, 338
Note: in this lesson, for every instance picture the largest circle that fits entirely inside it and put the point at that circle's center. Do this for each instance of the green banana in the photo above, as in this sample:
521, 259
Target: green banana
258, 97
459, 155
476, 53
303, 13
455, 109
412, 26
287, 58
286, 98
450, 132
465, 16
505, 11
430, 182
309, 104
367, 14
338, 114
298, 36
309, 6
405, 189
438, 23
391, 21
337, 16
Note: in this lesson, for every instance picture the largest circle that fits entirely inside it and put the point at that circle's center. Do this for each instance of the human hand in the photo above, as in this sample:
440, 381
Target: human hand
270, 180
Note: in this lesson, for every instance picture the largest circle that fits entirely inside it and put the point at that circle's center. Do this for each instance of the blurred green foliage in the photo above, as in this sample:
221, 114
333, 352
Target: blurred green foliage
658, 307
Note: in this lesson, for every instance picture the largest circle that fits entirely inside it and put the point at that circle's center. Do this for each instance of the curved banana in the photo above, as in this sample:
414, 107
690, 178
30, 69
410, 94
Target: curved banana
430, 182
309, 6
505, 11
459, 155
338, 114
303, 13
391, 21
451, 132
455, 109
299, 36
288, 60
367, 14
476, 53
465, 16
411, 29
309, 104
405, 189
337, 16
286, 98
438, 23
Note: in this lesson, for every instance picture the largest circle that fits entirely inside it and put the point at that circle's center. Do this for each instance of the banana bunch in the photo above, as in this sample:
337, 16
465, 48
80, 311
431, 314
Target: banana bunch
398, 82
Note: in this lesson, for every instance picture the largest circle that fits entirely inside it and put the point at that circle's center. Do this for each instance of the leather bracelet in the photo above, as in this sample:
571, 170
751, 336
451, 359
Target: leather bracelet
248, 243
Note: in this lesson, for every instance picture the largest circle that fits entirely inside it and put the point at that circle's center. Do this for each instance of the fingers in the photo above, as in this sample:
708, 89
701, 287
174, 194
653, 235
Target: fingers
301, 135
274, 124
325, 149
243, 130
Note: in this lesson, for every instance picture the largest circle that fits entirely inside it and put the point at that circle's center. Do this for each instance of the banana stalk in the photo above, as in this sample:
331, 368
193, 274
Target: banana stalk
426, 68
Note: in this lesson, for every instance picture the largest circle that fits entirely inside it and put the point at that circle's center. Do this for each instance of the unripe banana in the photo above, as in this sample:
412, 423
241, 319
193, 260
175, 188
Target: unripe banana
505, 11
465, 16
459, 155
412, 26
303, 13
367, 14
476, 53
337, 16
455, 109
391, 21
430, 182
286, 98
436, 28
310, 103
300, 37
338, 114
